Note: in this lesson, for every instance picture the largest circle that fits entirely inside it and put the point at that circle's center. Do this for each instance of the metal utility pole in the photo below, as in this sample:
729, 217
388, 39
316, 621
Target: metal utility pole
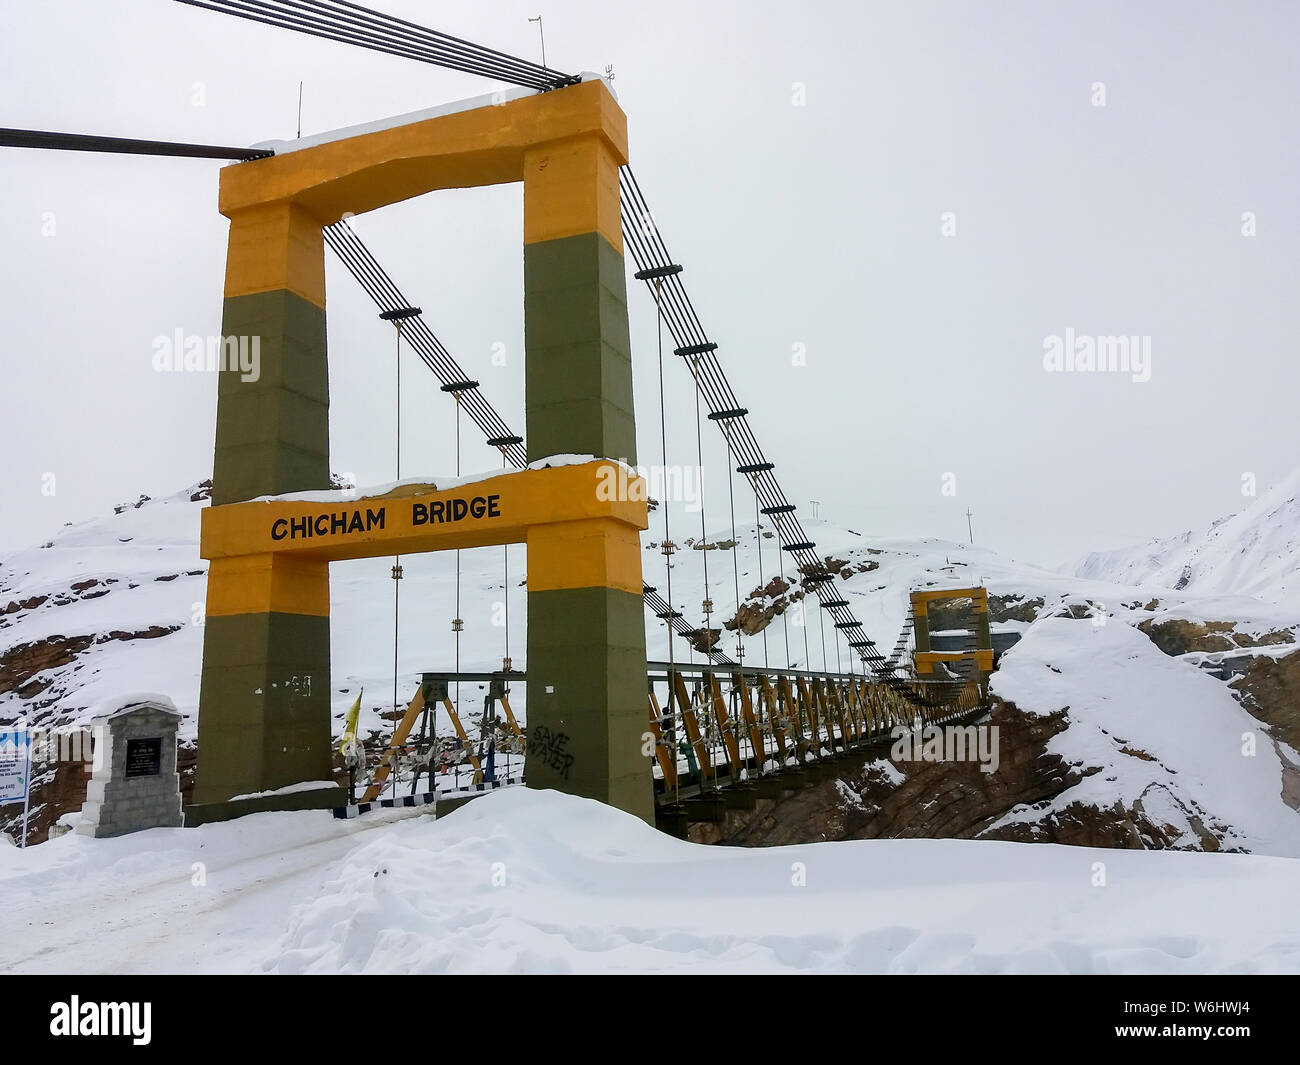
969, 530
541, 34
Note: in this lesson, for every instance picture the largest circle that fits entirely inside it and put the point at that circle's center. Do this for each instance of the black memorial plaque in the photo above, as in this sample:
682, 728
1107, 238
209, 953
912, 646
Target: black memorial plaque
144, 757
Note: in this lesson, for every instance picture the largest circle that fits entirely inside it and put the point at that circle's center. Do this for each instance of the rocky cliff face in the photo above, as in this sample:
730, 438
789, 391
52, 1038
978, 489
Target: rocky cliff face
1261, 669
883, 798
1270, 690
870, 797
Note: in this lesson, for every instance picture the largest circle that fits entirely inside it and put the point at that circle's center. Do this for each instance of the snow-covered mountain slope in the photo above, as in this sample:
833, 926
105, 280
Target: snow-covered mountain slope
109, 606
539, 882
1255, 552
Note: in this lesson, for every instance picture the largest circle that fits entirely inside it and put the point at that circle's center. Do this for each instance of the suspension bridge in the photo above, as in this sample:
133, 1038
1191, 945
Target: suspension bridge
670, 741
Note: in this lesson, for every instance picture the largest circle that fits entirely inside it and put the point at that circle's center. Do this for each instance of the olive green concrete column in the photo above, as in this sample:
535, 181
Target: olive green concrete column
920, 626
264, 700
586, 696
578, 377
587, 714
273, 431
263, 714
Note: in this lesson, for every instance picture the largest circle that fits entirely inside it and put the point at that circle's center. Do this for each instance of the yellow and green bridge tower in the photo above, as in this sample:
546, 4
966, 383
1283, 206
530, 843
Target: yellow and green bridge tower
264, 707
980, 655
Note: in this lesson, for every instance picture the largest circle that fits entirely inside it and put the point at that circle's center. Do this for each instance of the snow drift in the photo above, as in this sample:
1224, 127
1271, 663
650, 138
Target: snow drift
539, 882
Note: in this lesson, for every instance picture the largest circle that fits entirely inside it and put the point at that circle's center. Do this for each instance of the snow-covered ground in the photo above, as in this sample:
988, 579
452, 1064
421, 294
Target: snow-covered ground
543, 882
533, 881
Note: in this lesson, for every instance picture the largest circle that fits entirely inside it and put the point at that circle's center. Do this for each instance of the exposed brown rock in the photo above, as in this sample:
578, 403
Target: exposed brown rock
1014, 608
1268, 639
1270, 691
1134, 752
704, 640
762, 605
20, 666
151, 633
1177, 637
1079, 825
935, 799
956, 613
711, 545
944, 614
78, 591
25, 604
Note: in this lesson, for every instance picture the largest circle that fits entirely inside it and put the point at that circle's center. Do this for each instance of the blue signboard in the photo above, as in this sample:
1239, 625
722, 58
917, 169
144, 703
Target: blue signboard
15, 764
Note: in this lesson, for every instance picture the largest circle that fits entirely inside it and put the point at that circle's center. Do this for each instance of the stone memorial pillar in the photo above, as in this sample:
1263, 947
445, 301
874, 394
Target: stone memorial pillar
136, 785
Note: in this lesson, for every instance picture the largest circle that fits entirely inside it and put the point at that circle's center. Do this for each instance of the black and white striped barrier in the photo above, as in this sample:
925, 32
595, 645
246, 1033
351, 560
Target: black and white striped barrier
401, 802
427, 799
487, 785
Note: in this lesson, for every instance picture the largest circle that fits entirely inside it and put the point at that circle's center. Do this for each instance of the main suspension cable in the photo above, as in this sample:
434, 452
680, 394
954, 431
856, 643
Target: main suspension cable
348, 23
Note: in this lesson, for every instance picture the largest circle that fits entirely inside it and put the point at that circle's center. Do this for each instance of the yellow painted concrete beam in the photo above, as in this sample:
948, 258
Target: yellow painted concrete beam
483, 146
925, 660
979, 598
503, 509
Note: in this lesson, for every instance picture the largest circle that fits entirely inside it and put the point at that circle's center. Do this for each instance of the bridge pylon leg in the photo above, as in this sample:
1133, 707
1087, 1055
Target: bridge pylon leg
264, 718
586, 613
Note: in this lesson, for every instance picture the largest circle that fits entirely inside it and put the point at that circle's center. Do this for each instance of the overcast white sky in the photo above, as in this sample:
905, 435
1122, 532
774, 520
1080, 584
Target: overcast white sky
817, 225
